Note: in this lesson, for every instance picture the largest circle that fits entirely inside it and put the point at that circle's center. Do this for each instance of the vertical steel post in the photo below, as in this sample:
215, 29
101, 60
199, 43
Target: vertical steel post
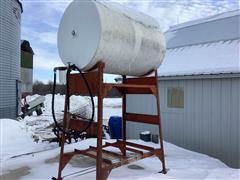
160, 124
61, 161
99, 172
124, 116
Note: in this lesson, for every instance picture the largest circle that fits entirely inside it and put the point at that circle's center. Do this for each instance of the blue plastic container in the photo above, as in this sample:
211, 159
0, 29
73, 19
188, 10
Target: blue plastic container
115, 127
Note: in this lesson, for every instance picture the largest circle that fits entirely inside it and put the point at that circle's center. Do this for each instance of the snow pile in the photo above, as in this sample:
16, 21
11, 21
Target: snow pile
15, 140
76, 104
30, 98
41, 126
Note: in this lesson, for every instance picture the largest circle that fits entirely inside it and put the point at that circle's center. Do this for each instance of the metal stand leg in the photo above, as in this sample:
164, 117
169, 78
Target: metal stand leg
104, 165
124, 117
61, 158
99, 173
160, 127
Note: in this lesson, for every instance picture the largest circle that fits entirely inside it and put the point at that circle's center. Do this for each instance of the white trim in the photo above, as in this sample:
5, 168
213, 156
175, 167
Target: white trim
205, 20
207, 76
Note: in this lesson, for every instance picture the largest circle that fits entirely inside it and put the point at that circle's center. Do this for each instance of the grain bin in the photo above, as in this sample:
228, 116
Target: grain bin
10, 21
26, 67
128, 42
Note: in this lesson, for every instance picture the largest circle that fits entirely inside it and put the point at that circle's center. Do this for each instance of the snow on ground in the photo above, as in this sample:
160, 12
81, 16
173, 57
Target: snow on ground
21, 158
15, 140
41, 126
181, 164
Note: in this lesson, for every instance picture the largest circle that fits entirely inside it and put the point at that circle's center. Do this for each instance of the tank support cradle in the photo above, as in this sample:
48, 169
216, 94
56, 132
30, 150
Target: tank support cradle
104, 158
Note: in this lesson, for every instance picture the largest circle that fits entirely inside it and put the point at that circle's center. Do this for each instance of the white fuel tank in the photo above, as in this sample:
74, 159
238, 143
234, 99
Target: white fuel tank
128, 42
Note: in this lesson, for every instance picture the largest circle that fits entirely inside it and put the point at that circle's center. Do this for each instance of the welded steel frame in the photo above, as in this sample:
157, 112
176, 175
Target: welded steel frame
139, 85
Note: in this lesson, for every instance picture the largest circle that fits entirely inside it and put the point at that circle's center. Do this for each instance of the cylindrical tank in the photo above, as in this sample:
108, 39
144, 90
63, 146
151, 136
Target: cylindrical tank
128, 42
10, 20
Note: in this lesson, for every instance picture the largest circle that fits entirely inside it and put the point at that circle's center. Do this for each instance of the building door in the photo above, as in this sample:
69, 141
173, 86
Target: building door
18, 97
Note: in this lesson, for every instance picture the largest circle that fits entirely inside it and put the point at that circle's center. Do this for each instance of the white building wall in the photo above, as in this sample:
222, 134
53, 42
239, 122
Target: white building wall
209, 122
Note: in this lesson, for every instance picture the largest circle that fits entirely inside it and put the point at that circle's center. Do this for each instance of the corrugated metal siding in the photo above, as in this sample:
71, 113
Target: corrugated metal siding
10, 20
8, 93
143, 105
9, 112
209, 122
8, 98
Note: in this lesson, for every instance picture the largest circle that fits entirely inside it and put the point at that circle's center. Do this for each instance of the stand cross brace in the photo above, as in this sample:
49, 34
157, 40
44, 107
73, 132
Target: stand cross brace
128, 151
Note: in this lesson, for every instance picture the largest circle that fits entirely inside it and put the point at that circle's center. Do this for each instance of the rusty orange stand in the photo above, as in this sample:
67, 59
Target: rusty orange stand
104, 164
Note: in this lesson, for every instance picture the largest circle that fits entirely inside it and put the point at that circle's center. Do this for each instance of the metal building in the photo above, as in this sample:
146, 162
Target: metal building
199, 84
26, 68
10, 22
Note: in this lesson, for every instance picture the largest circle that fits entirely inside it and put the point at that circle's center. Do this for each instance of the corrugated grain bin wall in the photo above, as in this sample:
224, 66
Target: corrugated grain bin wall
10, 23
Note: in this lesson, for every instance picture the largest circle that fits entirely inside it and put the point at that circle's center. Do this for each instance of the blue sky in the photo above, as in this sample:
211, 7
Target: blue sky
40, 20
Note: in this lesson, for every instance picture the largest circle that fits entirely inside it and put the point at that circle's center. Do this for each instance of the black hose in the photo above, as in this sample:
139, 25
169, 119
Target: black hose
91, 96
53, 101
71, 133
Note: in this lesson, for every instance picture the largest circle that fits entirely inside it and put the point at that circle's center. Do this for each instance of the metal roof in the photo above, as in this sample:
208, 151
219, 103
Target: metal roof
20, 4
25, 46
211, 58
220, 27
206, 19
205, 46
